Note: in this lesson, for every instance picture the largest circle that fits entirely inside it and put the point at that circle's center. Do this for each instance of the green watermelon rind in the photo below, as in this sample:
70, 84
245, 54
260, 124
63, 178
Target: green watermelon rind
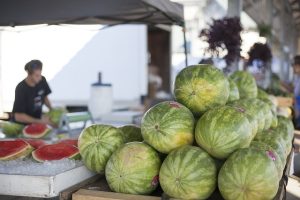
55, 114
168, 125
213, 129
11, 128
201, 87
20, 154
133, 169
265, 147
246, 84
234, 91
248, 174
188, 172
250, 113
131, 133
96, 144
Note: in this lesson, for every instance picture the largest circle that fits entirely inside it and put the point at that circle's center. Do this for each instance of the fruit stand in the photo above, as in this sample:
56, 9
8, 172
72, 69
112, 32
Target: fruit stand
219, 138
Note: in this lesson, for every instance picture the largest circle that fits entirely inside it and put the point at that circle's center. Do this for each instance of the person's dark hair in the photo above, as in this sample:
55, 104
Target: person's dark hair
297, 59
33, 65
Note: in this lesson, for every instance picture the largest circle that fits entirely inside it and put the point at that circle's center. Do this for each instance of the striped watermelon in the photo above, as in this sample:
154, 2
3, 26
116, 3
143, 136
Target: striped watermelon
96, 143
168, 125
260, 117
287, 126
267, 112
133, 169
11, 129
223, 130
268, 149
274, 140
201, 87
248, 174
246, 84
250, 113
188, 172
131, 133
14, 149
262, 94
234, 91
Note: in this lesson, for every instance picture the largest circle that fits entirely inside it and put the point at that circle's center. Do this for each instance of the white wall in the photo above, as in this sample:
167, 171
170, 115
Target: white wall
73, 56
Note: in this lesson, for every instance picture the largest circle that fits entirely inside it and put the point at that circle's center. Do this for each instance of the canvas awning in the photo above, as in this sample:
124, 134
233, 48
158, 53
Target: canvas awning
30, 12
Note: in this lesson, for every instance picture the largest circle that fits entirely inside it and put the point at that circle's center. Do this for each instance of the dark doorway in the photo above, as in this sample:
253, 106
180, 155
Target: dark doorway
159, 48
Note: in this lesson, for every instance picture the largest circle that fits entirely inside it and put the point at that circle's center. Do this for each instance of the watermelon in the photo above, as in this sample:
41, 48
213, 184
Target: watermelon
249, 174
223, 130
97, 143
188, 172
246, 84
201, 87
14, 149
55, 152
267, 113
234, 91
250, 113
131, 133
133, 169
36, 130
268, 149
287, 126
11, 128
72, 142
55, 114
168, 125
271, 138
35, 143
287, 141
252, 104
272, 106
262, 94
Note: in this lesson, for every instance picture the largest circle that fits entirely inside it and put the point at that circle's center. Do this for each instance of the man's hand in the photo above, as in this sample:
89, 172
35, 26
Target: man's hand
46, 120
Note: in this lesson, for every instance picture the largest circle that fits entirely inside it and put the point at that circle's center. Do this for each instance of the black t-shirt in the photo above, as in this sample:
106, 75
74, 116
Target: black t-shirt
29, 100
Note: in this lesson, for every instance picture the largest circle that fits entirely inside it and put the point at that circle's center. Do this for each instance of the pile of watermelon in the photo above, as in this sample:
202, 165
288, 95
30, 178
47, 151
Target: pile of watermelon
220, 133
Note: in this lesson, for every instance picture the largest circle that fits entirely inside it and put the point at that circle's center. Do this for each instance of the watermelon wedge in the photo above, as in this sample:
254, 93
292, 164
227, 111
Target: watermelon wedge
36, 130
14, 149
35, 143
55, 152
72, 142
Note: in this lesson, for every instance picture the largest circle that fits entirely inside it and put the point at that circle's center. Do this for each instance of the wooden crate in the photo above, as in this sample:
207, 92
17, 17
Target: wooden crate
84, 194
285, 101
100, 190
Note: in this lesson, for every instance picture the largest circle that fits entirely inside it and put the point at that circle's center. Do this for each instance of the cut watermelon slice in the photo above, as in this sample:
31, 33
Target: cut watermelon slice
14, 149
55, 152
72, 142
36, 130
35, 143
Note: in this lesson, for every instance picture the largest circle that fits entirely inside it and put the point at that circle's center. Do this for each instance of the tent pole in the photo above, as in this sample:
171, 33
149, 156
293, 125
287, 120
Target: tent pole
185, 45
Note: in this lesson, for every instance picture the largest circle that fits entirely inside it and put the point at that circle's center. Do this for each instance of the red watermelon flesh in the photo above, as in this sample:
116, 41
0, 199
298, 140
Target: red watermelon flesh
13, 149
35, 143
55, 152
72, 142
36, 130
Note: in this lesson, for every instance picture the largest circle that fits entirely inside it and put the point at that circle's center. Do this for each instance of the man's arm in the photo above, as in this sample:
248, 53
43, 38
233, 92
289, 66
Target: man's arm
47, 103
24, 118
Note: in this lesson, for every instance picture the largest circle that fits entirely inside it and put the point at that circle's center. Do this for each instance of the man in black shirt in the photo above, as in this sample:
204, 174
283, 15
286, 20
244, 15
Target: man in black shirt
30, 96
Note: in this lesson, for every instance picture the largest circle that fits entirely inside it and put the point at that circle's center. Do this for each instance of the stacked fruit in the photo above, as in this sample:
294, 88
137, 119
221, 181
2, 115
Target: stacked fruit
237, 143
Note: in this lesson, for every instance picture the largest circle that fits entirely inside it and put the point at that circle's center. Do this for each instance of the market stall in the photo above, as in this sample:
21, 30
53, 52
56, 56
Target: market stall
221, 138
